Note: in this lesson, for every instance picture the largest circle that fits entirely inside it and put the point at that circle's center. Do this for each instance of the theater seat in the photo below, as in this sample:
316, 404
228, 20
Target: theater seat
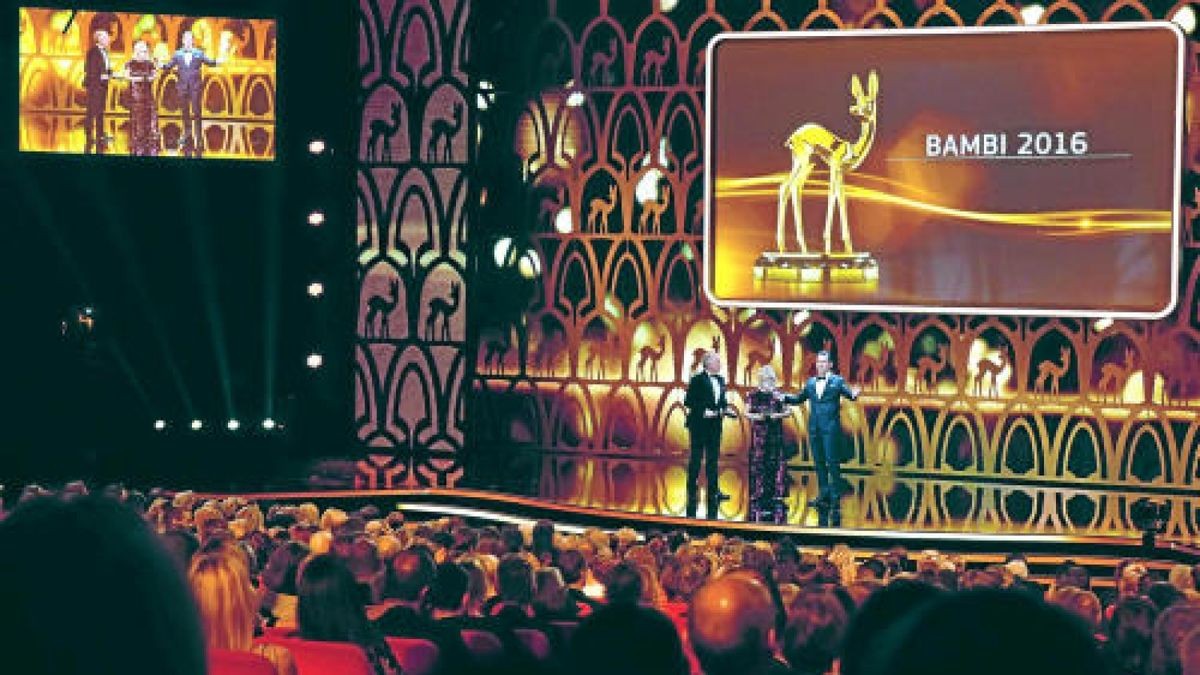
417, 657
225, 662
535, 641
313, 657
484, 646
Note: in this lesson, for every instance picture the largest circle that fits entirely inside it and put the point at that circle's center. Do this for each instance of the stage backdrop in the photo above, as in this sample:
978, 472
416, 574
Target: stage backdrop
966, 423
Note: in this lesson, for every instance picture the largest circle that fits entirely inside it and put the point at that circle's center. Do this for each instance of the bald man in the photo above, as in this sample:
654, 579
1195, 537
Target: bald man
731, 623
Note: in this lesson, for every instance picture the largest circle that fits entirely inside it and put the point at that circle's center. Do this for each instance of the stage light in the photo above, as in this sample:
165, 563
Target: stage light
800, 317
529, 266
1185, 18
316, 218
1032, 14
316, 146
314, 361
483, 99
268, 424
563, 222
667, 5
197, 425
159, 425
1102, 324
502, 251
316, 289
233, 425
576, 99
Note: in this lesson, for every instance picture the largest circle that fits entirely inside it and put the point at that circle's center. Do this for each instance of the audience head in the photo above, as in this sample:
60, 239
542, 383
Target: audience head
882, 610
731, 623
124, 608
1189, 653
812, 640
1164, 595
1171, 627
1081, 603
1181, 577
330, 605
449, 590
624, 584
514, 579
573, 566
226, 599
1129, 633
986, 631
282, 568
550, 593
626, 639
412, 572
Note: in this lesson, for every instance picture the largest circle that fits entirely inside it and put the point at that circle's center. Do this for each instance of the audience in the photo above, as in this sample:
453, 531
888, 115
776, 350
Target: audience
331, 608
228, 607
605, 602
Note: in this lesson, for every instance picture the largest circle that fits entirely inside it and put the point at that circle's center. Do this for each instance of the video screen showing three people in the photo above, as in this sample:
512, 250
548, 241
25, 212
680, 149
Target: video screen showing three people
149, 85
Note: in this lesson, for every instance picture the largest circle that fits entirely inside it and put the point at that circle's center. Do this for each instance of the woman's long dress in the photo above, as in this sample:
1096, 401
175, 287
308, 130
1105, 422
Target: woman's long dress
143, 110
767, 461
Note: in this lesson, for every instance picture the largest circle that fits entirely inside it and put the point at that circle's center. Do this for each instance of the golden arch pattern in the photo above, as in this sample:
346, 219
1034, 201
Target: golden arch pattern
989, 424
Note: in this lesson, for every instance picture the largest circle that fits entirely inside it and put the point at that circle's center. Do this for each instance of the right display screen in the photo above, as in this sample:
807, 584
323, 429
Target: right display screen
1012, 171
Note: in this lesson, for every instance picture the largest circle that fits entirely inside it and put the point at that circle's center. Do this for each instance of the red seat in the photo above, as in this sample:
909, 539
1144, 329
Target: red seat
484, 646
535, 641
416, 657
225, 662
314, 657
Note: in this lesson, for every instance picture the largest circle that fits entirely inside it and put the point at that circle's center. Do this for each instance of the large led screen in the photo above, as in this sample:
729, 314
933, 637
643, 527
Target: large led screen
1009, 171
153, 85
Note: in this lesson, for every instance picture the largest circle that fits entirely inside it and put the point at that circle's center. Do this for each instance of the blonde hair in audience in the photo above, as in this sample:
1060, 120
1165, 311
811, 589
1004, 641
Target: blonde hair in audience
227, 602
320, 542
333, 518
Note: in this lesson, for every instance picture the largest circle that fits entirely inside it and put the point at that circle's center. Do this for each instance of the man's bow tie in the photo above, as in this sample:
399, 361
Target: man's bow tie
820, 379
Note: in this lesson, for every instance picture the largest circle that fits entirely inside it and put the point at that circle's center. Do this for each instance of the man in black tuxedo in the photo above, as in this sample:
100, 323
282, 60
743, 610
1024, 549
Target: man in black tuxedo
707, 406
824, 394
188, 60
97, 70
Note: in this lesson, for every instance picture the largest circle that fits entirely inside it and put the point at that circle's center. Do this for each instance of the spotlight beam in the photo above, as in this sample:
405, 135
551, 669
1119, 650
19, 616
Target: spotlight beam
133, 271
208, 291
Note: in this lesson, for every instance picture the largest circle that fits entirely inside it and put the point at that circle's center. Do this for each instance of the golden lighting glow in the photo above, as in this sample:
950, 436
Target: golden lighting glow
529, 266
1063, 223
316, 218
502, 250
1102, 324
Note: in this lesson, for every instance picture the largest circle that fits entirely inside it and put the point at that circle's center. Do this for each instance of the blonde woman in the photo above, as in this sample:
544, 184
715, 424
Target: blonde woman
228, 608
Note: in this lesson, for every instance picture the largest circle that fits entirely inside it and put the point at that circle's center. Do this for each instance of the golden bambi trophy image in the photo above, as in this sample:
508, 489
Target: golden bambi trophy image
813, 144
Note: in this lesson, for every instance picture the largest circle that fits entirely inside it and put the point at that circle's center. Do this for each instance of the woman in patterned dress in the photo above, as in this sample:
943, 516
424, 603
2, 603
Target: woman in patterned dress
767, 461
143, 110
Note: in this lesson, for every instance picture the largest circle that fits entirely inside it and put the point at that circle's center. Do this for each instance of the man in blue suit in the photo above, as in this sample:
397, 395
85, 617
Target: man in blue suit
824, 394
188, 60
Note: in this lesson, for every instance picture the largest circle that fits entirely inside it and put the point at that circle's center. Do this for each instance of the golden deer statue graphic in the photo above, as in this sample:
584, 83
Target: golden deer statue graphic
813, 142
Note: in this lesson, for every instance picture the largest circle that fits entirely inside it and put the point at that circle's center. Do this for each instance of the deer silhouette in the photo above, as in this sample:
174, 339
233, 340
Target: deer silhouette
652, 212
443, 129
757, 359
380, 306
441, 308
987, 373
870, 366
812, 142
928, 369
600, 209
546, 354
698, 353
379, 148
1049, 370
600, 71
653, 62
1116, 376
651, 356
494, 352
